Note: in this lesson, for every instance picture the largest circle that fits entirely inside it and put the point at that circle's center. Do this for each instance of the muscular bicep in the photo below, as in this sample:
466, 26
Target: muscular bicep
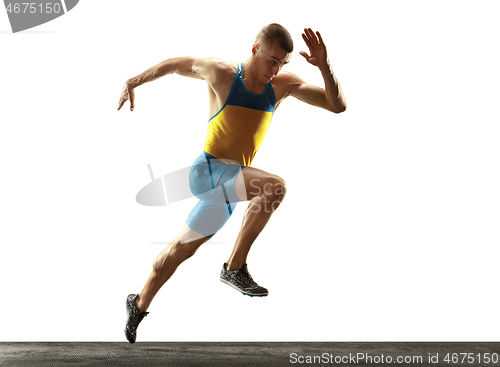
289, 84
188, 66
309, 94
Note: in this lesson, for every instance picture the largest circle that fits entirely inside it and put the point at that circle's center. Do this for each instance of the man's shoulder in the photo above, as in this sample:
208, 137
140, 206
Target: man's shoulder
284, 83
286, 78
221, 65
219, 69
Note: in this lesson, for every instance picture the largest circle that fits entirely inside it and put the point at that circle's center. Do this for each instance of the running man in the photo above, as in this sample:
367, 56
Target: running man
243, 98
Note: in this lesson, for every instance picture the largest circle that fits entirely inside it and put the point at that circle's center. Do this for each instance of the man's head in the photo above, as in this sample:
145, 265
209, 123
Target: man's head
272, 49
275, 33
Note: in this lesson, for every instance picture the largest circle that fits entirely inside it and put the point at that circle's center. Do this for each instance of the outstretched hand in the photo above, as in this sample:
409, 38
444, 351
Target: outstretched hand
127, 94
317, 49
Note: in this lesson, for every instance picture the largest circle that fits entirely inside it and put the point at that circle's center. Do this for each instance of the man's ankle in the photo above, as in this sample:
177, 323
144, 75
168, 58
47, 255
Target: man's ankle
139, 304
233, 266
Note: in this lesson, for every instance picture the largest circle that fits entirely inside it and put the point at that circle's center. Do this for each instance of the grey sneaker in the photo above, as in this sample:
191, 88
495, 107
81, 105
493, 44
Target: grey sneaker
134, 318
241, 280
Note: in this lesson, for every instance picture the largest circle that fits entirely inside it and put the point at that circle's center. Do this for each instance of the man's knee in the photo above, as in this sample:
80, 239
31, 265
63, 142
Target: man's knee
185, 250
273, 193
279, 189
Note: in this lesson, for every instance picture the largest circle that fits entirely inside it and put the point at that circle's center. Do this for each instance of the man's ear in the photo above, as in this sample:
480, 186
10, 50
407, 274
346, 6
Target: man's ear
255, 47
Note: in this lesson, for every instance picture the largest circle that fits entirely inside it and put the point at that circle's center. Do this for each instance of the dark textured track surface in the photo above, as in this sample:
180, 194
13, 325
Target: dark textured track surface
239, 354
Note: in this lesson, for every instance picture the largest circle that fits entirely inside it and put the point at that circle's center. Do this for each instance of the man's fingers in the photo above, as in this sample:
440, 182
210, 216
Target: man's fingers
127, 95
311, 35
306, 56
121, 102
319, 37
306, 40
312, 39
131, 95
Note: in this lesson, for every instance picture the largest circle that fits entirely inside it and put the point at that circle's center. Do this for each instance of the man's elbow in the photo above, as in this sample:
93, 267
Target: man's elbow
338, 108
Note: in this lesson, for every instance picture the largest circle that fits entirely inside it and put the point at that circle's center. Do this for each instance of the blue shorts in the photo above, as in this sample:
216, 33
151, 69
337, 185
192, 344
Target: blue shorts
213, 181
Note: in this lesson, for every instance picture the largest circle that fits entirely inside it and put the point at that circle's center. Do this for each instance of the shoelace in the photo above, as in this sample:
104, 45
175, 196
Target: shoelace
246, 279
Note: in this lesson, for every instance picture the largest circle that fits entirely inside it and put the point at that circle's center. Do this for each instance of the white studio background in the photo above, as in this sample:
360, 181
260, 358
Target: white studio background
389, 231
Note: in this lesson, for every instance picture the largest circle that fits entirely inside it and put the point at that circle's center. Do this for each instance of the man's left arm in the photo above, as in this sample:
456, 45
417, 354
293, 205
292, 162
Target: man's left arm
331, 98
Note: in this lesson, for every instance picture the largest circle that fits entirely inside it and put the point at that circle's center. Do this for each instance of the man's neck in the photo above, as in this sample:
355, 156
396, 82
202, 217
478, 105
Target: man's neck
252, 84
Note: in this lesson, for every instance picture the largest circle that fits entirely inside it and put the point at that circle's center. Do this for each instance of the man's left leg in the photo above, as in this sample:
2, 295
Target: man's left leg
265, 192
182, 248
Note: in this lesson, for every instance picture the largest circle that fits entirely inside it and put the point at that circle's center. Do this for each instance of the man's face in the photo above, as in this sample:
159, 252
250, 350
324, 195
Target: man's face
270, 59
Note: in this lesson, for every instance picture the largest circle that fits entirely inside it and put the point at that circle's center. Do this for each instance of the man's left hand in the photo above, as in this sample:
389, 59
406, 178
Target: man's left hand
317, 48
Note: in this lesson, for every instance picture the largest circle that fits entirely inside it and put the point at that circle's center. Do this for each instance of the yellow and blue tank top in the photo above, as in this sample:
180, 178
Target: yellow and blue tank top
238, 129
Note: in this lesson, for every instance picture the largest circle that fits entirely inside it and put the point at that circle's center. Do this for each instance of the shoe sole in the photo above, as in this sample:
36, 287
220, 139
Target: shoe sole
130, 339
239, 290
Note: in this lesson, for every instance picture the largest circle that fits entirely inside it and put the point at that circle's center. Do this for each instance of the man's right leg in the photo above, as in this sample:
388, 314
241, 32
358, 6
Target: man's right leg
181, 249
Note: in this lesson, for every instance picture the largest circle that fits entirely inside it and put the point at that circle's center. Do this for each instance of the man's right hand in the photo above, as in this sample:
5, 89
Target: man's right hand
127, 94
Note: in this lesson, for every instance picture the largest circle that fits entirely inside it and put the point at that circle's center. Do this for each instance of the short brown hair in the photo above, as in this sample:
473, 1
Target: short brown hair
275, 32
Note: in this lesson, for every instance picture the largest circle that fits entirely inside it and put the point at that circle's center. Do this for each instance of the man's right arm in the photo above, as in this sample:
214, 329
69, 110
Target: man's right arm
193, 67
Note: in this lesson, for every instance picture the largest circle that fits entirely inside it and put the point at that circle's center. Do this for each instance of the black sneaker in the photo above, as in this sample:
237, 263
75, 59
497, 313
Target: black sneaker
134, 318
241, 280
